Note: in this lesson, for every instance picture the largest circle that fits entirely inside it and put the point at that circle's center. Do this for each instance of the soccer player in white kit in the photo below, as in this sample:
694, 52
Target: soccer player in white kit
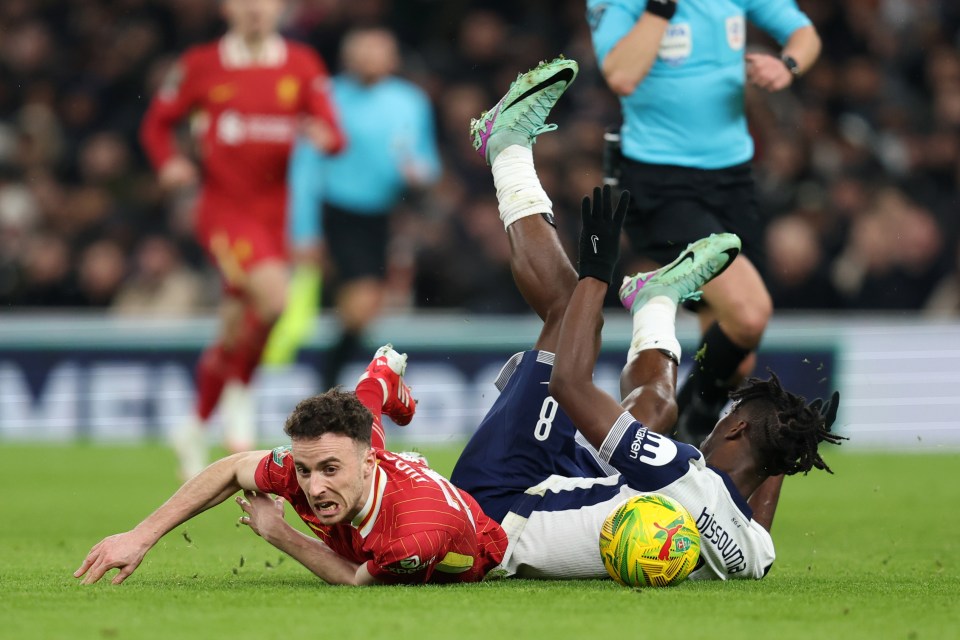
552, 484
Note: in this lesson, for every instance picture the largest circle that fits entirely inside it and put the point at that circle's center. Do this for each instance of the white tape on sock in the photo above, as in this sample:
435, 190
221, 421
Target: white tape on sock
655, 327
519, 192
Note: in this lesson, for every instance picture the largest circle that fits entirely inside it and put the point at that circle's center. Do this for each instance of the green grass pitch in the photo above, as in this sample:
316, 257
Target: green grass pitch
871, 552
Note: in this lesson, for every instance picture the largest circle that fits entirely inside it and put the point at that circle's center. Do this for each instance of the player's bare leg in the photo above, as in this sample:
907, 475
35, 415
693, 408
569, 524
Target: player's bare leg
189, 438
543, 274
504, 137
266, 295
648, 381
733, 320
740, 303
648, 386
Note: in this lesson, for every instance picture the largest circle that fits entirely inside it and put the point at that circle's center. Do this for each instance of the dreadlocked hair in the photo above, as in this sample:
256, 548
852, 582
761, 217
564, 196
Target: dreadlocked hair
784, 429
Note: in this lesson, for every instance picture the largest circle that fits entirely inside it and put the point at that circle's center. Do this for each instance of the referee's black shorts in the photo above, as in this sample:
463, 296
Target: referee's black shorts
357, 242
673, 206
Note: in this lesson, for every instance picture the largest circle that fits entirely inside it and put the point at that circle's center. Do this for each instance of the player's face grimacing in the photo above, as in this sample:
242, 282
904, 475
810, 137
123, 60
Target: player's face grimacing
334, 473
253, 18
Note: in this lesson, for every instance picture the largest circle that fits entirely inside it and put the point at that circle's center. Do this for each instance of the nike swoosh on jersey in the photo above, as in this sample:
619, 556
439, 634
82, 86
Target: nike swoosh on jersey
564, 75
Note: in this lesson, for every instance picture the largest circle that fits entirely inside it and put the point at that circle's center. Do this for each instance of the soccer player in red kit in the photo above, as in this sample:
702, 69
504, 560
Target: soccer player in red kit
251, 92
379, 517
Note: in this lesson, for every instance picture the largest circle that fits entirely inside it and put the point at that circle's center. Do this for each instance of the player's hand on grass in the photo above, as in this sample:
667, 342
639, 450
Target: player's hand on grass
263, 514
178, 172
124, 551
600, 233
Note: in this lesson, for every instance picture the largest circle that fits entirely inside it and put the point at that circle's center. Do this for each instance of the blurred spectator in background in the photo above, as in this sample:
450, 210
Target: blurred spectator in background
160, 285
101, 273
795, 262
879, 109
389, 122
46, 274
680, 69
252, 88
945, 299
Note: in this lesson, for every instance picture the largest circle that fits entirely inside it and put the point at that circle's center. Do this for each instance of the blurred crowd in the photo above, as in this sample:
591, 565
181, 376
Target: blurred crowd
858, 165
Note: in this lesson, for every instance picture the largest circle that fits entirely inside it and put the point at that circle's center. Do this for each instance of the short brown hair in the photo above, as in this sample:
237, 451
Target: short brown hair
335, 411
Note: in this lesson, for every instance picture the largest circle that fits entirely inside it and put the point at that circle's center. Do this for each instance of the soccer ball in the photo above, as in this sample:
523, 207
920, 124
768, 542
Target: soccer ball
649, 541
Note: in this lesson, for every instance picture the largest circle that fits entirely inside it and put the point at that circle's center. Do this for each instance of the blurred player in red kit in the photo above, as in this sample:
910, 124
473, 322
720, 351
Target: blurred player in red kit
378, 517
252, 91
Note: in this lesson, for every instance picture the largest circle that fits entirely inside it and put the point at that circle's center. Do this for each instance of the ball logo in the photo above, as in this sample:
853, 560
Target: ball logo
665, 547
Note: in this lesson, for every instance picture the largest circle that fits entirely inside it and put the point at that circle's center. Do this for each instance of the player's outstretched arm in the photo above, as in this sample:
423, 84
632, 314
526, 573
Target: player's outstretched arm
209, 488
265, 516
571, 384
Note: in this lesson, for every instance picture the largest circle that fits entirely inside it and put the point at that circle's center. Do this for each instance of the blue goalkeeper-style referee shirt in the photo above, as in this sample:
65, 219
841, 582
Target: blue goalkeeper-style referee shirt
390, 130
688, 111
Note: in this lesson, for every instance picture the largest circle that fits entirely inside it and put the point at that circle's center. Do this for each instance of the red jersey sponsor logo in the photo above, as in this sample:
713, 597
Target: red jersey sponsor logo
413, 564
234, 128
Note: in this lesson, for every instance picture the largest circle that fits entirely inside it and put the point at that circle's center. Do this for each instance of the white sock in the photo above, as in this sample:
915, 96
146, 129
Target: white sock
655, 327
239, 416
189, 440
518, 188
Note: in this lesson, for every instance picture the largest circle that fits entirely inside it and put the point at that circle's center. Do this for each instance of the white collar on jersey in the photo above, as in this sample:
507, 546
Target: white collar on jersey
365, 520
235, 54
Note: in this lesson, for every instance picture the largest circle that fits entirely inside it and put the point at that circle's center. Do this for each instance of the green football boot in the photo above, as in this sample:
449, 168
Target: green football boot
698, 264
521, 114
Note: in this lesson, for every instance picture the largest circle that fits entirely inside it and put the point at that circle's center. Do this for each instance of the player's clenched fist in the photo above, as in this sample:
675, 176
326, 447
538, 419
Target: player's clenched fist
122, 551
600, 233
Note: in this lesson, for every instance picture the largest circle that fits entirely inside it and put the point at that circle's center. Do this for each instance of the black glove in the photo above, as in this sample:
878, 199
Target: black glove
600, 233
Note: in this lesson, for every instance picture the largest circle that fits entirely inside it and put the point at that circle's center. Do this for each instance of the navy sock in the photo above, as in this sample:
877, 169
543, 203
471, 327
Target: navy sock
718, 359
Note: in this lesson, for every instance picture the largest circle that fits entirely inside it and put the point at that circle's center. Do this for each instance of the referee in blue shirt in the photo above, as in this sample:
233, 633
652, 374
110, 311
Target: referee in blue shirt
680, 69
391, 148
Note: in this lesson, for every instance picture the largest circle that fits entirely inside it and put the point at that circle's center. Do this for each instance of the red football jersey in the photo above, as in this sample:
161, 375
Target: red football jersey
248, 113
416, 526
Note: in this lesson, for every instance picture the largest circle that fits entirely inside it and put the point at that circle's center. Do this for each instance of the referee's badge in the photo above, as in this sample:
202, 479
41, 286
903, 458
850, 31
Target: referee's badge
736, 32
677, 44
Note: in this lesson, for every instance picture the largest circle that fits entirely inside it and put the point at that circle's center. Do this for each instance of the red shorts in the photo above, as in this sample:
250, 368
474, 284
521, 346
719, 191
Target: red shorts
237, 240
